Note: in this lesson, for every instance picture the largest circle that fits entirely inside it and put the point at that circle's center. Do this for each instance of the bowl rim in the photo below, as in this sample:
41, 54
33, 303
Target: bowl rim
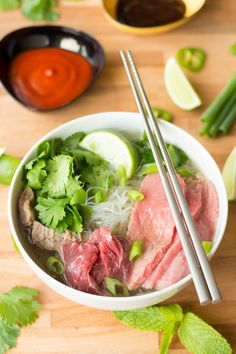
47, 279
63, 29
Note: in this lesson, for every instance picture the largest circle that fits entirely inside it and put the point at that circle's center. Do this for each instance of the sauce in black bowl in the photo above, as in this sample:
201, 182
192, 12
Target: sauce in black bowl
149, 13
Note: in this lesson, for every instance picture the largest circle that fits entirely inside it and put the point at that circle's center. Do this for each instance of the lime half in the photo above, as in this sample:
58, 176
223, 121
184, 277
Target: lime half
179, 88
113, 147
229, 175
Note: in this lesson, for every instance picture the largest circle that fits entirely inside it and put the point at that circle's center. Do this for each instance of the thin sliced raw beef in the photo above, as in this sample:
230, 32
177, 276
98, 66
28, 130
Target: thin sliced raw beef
78, 260
88, 263
203, 203
152, 222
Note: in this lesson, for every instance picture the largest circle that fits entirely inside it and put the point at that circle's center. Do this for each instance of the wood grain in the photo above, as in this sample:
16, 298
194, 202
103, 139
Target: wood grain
65, 327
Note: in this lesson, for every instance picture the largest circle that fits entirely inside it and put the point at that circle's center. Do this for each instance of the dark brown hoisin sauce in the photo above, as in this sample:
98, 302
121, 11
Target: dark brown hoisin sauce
149, 13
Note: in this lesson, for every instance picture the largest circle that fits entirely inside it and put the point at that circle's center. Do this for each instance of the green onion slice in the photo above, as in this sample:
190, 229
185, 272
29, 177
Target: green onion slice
135, 195
207, 245
162, 113
121, 176
116, 287
100, 196
55, 265
136, 250
147, 169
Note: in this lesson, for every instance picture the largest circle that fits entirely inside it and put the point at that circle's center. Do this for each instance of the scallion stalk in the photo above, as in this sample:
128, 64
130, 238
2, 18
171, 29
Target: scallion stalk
228, 121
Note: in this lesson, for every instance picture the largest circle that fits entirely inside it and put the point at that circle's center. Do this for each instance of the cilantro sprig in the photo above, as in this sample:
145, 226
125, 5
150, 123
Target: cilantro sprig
18, 308
195, 334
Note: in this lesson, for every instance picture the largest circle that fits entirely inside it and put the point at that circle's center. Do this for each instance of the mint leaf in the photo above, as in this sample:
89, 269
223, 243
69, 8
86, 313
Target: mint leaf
9, 4
166, 337
151, 318
8, 335
18, 306
198, 337
51, 211
59, 169
36, 175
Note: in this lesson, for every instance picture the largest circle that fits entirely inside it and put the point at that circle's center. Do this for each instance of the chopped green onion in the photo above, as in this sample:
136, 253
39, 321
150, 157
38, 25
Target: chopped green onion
8, 166
79, 197
100, 196
192, 59
147, 169
162, 113
55, 265
207, 246
121, 176
135, 195
230, 118
136, 250
116, 287
184, 172
232, 49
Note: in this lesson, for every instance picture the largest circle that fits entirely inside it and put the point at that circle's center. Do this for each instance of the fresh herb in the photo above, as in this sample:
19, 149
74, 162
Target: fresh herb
135, 195
147, 168
35, 10
8, 166
135, 250
79, 197
18, 308
207, 246
196, 335
55, 265
232, 49
221, 114
36, 175
192, 59
162, 113
72, 141
51, 211
116, 287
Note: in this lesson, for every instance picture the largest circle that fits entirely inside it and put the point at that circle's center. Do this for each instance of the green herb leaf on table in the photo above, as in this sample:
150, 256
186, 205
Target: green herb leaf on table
198, 337
9, 4
19, 306
8, 335
38, 10
166, 337
8, 166
51, 211
151, 318
59, 169
232, 49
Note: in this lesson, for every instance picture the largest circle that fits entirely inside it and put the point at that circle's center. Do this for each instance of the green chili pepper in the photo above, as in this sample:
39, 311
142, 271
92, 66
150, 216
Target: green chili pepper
162, 113
192, 59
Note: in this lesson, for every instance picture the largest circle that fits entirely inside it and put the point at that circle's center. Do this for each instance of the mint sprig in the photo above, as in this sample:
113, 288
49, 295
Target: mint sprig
196, 335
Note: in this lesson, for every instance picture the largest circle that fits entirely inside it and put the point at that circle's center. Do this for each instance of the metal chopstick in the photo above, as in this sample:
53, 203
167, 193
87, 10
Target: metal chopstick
203, 277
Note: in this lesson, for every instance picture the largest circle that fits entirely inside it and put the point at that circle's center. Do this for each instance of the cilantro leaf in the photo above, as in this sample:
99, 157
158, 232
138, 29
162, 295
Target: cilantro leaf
198, 337
76, 225
51, 211
84, 156
18, 306
151, 318
98, 176
40, 10
59, 169
36, 175
31, 163
73, 185
72, 141
8, 335
9, 4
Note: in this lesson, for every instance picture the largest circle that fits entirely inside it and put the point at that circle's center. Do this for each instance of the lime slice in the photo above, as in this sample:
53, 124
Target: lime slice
229, 175
113, 147
179, 88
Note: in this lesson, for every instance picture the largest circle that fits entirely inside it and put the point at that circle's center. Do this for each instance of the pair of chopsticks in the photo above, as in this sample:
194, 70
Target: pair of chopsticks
198, 263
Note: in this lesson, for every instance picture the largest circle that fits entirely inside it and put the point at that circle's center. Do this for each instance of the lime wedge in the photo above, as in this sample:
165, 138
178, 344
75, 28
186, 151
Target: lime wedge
229, 175
179, 88
113, 147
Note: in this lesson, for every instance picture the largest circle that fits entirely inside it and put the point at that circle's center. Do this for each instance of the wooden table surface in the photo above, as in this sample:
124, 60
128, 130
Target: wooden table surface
64, 327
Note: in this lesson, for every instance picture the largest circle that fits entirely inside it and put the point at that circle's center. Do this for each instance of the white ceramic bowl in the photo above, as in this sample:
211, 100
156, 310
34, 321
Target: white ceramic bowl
131, 123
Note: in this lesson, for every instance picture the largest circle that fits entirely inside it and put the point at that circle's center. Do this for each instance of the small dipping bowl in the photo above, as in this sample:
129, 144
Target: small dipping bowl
34, 37
110, 10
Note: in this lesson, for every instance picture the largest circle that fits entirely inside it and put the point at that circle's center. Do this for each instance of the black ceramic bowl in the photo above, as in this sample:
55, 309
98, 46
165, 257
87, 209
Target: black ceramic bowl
49, 36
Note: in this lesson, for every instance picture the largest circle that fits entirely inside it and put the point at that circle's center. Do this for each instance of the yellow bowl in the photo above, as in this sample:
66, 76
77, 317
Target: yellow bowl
192, 8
